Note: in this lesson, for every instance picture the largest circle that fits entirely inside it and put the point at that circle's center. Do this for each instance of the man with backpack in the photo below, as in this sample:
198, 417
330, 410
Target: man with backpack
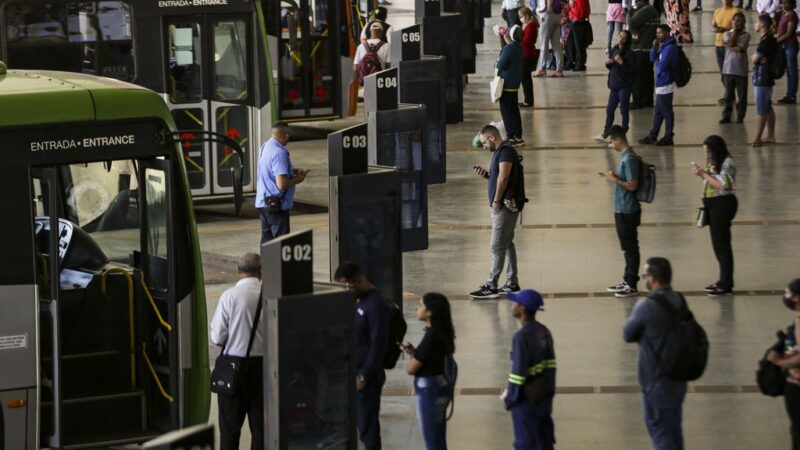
373, 55
372, 336
627, 210
506, 199
665, 55
651, 324
532, 380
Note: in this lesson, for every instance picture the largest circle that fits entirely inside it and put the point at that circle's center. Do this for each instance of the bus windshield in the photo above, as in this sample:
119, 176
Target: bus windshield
93, 37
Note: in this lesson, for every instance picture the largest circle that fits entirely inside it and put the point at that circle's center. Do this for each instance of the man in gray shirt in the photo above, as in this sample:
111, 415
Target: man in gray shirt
734, 70
649, 325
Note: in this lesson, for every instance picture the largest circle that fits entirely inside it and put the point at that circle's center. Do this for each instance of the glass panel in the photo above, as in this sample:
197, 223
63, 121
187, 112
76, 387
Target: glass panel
322, 54
230, 61
232, 121
185, 63
407, 150
88, 37
291, 61
156, 204
193, 150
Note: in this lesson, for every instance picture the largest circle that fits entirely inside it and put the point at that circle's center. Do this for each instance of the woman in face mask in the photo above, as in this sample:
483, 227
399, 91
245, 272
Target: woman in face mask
789, 360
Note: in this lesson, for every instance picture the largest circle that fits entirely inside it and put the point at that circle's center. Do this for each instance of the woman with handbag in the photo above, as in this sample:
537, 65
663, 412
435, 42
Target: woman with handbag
789, 359
427, 364
720, 205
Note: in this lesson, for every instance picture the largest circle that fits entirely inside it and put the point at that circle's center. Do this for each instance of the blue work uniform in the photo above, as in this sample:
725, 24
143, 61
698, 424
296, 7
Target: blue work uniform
372, 339
533, 360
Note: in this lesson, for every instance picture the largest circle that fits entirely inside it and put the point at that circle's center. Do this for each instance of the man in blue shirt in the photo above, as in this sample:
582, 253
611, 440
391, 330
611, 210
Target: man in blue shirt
275, 183
649, 325
532, 380
627, 211
372, 334
666, 58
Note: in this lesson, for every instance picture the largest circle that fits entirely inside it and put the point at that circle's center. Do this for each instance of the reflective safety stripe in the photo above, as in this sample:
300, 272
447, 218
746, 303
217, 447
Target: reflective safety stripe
542, 366
516, 379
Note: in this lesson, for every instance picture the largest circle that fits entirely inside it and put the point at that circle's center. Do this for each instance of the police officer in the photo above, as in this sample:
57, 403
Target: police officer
532, 381
372, 334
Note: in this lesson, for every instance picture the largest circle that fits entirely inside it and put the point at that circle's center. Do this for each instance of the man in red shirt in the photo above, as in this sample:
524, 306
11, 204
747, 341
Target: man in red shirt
579, 28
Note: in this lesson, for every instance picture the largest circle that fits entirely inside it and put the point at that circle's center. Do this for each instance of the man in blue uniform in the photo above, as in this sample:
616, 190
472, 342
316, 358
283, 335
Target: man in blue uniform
532, 381
372, 334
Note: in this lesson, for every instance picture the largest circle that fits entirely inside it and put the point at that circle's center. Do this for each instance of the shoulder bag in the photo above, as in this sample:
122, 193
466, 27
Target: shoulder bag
496, 87
229, 371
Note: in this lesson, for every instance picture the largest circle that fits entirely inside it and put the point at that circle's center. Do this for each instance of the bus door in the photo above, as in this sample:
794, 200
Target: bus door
310, 77
210, 87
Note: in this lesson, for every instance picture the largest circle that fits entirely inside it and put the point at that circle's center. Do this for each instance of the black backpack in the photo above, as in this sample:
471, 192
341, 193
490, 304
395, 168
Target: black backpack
514, 198
685, 352
769, 377
451, 375
646, 187
684, 72
397, 331
778, 63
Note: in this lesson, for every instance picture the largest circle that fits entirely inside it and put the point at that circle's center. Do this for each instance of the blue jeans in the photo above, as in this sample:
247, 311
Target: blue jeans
368, 407
663, 402
273, 225
621, 96
663, 113
431, 409
791, 70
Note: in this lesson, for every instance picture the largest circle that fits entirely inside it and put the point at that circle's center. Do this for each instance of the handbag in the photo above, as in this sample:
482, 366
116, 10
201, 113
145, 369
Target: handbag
229, 371
274, 203
702, 217
496, 87
769, 377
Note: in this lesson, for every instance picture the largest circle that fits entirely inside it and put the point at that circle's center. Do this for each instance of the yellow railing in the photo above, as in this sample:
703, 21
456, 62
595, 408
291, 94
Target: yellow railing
155, 375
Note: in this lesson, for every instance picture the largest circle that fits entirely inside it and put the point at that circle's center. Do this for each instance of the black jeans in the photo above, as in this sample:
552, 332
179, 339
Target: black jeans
273, 225
368, 408
735, 92
528, 65
579, 31
509, 110
249, 401
721, 211
628, 233
791, 398
644, 86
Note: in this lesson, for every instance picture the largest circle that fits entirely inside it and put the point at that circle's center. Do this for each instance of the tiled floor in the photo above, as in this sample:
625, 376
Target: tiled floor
568, 249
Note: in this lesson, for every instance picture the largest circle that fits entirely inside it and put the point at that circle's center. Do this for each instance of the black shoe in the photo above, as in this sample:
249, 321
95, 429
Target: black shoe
525, 105
505, 290
719, 292
484, 292
697, 9
725, 120
647, 140
627, 291
740, 120
634, 106
579, 69
711, 287
787, 101
664, 142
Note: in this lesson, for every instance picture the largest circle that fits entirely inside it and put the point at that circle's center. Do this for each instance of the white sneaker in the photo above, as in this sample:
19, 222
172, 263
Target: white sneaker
617, 287
600, 138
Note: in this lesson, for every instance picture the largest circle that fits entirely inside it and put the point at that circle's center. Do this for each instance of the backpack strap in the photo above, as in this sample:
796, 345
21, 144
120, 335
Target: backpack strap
256, 320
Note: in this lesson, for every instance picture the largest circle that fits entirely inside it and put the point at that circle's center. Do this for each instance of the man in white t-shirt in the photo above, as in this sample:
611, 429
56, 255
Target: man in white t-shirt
375, 41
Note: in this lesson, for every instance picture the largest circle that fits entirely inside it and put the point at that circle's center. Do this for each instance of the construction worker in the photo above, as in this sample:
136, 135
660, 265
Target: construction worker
532, 381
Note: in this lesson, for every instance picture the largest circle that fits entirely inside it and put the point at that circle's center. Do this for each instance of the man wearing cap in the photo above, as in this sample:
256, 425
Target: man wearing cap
532, 381
378, 15
509, 67
374, 43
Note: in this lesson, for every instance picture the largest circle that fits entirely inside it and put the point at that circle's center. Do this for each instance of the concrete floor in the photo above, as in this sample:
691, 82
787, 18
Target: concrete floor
568, 250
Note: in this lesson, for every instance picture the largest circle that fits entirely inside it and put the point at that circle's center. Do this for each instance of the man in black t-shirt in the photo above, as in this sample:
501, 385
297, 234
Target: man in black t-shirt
764, 79
503, 219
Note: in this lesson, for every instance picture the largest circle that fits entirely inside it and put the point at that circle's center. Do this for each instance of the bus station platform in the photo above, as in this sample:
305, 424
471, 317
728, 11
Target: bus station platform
568, 250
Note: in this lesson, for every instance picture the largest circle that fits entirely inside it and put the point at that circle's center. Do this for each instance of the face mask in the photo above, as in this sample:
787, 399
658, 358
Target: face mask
789, 303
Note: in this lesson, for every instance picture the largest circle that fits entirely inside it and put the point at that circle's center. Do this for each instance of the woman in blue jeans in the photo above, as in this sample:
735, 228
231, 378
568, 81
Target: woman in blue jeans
621, 64
427, 366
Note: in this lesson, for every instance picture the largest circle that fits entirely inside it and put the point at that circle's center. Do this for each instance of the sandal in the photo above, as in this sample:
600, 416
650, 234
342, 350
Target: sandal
539, 73
757, 144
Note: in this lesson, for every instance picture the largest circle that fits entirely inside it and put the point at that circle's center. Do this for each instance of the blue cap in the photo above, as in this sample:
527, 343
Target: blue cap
530, 299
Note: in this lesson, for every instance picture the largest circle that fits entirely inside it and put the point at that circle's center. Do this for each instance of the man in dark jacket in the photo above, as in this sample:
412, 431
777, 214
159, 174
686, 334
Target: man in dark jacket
649, 325
532, 380
621, 75
642, 23
509, 67
372, 334
665, 56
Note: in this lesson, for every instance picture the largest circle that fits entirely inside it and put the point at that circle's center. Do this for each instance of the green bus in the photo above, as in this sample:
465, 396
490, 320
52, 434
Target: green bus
226, 66
103, 326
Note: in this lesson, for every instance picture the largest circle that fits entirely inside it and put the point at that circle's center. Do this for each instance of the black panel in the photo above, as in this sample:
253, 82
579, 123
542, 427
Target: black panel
442, 36
16, 228
397, 139
347, 151
148, 48
365, 228
468, 49
422, 82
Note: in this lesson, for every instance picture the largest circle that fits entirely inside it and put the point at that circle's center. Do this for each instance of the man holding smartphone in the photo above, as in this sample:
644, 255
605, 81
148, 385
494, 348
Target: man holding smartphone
503, 219
627, 210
